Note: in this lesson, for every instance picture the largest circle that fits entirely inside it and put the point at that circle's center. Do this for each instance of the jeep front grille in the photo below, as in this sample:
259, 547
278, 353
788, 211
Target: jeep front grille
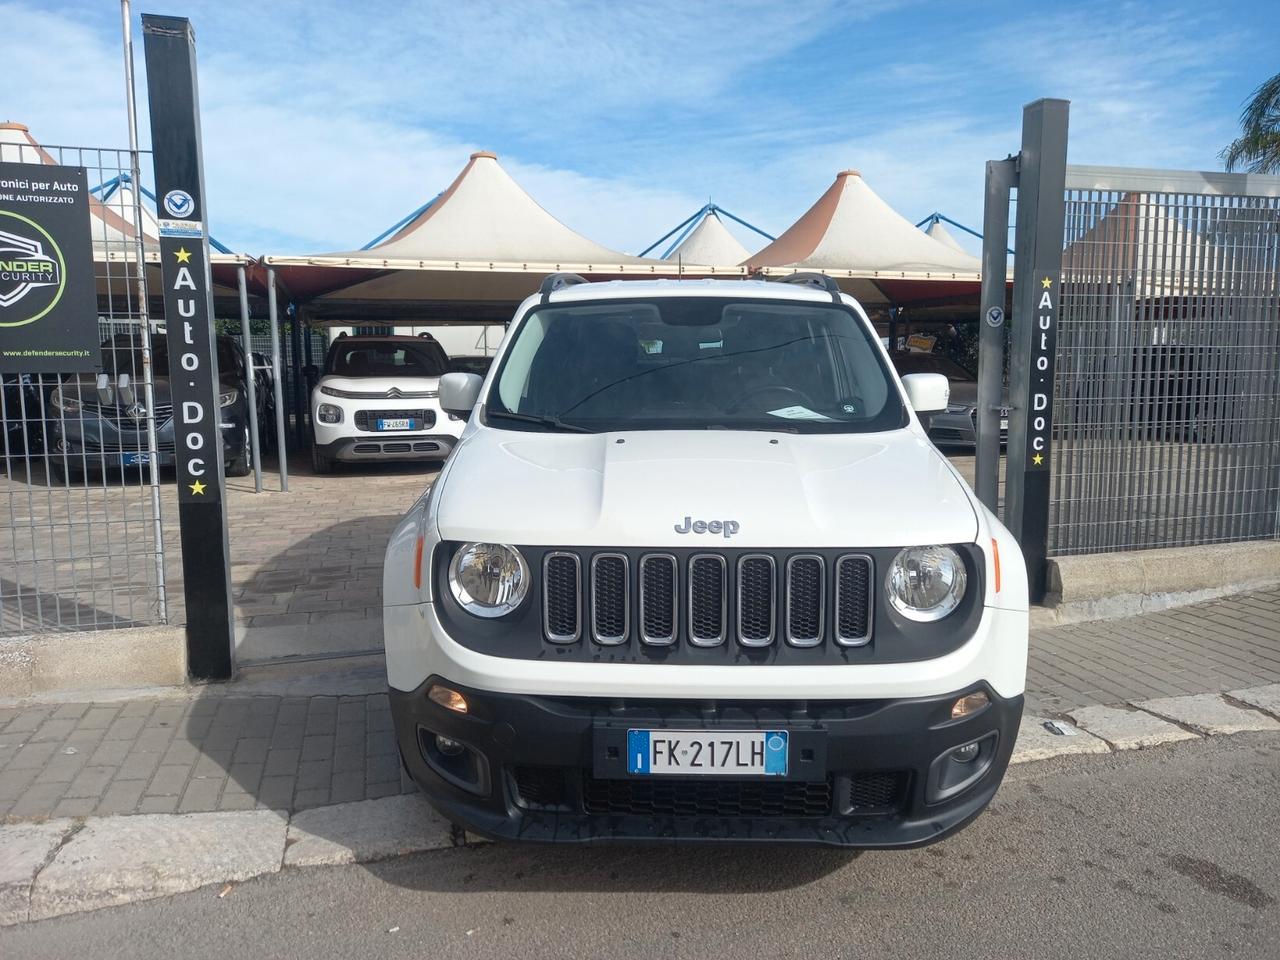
610, 598
561, 587
660, 600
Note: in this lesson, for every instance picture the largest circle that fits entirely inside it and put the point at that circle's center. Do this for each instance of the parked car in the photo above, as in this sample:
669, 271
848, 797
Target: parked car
377, 399
99, 422
695, 574
958, 424
21, 417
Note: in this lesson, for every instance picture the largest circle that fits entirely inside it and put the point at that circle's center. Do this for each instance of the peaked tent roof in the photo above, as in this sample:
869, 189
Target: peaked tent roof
486, 216
943, 235
851, 230
1139, 239
711, 243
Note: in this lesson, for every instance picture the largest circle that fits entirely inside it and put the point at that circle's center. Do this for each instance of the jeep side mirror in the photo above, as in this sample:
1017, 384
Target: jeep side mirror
927, 392
459, 393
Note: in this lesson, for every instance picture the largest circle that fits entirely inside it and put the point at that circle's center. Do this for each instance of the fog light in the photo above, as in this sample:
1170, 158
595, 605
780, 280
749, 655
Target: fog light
969, 704
447, 698
450, 748
966, 754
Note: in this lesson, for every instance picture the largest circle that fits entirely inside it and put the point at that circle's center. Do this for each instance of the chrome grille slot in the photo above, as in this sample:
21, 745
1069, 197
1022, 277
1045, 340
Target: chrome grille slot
708, 600
853, 600
658, 588
610, 618
806, 580
757, 600
561, 588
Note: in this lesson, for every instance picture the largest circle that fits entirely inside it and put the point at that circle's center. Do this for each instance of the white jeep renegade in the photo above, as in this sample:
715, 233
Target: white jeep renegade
695, 572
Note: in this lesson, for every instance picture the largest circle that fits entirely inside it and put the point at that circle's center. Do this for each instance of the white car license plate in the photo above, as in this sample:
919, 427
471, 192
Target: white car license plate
400, 423
135, 459
752, 753
1004, 424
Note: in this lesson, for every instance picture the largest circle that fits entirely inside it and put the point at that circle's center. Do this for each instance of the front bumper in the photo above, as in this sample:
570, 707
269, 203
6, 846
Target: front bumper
546, 769
388, 446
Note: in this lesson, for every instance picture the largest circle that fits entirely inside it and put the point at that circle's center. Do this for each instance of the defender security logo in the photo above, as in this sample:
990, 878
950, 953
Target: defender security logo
179, 203
32, 270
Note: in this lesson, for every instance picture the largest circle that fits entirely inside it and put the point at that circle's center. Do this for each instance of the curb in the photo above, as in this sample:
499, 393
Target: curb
59, 867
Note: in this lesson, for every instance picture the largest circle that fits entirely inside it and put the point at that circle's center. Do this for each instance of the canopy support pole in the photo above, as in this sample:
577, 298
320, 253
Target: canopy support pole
295, 363
277, 389
251, 385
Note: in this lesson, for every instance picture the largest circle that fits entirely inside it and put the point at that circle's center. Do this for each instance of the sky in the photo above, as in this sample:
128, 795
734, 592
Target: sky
325, 122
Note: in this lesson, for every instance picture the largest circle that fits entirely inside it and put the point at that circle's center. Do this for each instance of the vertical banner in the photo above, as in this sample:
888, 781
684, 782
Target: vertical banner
169, 46
48, 302
1037, 275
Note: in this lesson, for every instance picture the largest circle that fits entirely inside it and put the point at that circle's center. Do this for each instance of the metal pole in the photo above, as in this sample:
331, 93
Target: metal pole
144, 310
295, 378
1037, 275
250, 380
1002, 175
282, 451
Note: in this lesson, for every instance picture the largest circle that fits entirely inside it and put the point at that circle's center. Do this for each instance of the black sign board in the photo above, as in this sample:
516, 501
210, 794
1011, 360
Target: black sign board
48, 302
193, 371
1044, 340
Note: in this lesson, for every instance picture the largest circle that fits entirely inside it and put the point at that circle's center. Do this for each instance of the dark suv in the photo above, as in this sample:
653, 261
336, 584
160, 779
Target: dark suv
98, 422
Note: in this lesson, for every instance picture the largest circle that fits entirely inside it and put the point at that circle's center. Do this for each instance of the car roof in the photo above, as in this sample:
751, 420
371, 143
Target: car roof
631, 289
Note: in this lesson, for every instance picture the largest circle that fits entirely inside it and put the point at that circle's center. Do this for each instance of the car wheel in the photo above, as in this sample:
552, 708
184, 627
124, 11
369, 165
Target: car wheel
319, 462
243, 464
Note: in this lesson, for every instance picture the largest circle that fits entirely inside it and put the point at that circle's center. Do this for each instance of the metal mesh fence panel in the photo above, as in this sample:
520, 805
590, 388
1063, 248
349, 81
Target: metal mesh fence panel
1167, 400
83, 547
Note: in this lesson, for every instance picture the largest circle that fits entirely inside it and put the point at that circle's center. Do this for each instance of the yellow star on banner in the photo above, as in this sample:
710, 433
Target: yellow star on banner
1046, 283
183, 255
197, 487
1037, 459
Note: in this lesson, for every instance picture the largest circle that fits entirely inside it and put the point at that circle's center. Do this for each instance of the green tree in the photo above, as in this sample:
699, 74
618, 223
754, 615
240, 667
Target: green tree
1257, 149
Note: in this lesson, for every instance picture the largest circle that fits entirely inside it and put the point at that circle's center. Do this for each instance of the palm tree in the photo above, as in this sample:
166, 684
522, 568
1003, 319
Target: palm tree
1257, 149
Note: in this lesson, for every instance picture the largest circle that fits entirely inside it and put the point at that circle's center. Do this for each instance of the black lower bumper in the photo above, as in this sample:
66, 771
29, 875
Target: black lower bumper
388, 446
863, 773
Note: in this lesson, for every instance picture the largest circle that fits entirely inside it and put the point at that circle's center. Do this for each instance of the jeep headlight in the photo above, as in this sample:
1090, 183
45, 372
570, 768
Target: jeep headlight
926, 583
488, 579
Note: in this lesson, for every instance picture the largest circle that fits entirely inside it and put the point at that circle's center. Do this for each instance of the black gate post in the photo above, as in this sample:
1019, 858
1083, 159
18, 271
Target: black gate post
1037, 274
169, 45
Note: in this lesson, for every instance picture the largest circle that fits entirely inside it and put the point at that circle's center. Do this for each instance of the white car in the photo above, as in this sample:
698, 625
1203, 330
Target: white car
378, 399
695, 572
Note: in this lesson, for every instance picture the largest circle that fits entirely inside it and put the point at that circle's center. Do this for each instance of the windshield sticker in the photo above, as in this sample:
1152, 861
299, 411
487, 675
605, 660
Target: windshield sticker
798, 413
651, 346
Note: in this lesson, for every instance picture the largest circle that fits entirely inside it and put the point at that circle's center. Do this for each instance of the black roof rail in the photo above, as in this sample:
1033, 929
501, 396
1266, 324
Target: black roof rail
820, 280
558, 281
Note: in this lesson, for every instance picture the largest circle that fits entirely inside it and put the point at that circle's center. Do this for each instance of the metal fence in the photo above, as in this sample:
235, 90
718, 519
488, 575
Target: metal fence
1167, 398
84, 547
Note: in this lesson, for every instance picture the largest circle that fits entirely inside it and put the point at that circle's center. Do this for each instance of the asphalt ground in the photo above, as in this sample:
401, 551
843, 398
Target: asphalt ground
1168, 852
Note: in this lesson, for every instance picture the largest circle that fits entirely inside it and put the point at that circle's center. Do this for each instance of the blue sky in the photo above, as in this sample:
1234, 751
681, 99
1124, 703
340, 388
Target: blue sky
325, 122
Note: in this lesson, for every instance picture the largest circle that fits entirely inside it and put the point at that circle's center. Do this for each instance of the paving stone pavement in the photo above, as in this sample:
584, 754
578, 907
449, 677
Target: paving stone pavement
166, 756
297, 753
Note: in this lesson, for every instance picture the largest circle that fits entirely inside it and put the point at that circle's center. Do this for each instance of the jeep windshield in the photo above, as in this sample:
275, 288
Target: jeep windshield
694, 363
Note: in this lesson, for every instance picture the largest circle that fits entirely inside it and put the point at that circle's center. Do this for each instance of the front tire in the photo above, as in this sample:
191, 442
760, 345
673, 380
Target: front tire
242, 465
319, 462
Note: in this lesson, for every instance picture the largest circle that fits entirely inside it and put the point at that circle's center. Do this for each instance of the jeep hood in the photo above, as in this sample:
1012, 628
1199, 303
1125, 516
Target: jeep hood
635, 488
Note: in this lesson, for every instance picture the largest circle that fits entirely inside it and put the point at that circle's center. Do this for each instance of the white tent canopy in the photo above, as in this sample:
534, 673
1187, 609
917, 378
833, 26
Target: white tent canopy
1138, 239
943, 235
709, 242
485, 215
851, 232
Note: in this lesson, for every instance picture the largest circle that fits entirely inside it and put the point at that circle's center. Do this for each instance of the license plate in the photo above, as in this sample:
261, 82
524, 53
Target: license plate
135, 459
399, 423
749, 753
1004, 424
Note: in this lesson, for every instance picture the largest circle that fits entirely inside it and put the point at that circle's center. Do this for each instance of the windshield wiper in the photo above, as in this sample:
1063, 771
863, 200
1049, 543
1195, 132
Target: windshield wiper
550, 423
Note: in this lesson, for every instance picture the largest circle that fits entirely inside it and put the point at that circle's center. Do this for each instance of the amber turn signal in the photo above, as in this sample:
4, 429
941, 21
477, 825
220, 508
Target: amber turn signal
968, 704
447, 698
